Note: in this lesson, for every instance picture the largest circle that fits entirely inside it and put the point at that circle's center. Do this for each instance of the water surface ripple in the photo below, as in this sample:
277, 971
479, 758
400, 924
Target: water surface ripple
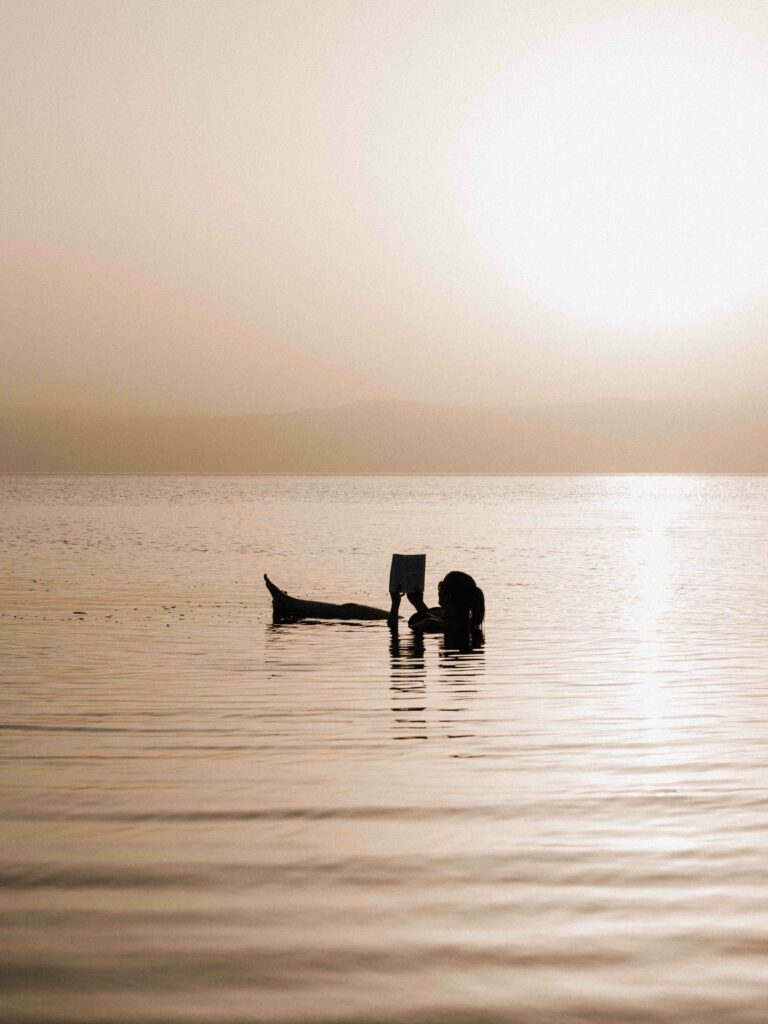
209, 817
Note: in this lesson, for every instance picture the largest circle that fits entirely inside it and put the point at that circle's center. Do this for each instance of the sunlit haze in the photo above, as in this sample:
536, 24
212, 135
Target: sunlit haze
259, 207
383, 511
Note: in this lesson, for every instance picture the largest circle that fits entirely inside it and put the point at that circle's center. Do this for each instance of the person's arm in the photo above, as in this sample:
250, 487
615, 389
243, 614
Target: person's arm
394, 608
416, 597
426, 623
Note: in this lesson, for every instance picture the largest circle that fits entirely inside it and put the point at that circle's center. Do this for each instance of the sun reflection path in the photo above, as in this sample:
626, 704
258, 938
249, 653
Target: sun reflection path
655, 748
657, 505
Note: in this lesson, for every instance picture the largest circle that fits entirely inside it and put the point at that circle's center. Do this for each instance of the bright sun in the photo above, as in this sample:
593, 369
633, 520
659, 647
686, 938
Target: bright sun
620, 176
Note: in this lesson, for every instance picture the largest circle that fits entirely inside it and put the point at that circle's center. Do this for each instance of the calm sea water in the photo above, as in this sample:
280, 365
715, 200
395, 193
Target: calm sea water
206, 817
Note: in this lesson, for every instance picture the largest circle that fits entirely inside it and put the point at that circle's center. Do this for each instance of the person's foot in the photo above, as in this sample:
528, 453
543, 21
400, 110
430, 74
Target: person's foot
279, 597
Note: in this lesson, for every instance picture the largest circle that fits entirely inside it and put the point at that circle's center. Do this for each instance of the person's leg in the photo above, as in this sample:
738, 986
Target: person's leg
361, 611
284, 604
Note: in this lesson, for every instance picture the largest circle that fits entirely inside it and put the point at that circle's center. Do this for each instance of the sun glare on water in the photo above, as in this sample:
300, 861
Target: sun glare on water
619, 176
658, 748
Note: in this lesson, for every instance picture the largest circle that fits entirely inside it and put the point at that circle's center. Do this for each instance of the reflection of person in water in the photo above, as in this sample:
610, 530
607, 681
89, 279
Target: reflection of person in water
460, 609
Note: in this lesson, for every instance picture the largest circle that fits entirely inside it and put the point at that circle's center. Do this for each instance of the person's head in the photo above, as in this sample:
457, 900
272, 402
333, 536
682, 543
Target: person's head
462, 600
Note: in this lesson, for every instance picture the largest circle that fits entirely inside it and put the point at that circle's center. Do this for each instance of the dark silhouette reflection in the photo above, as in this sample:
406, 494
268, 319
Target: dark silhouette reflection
410, 649
460, 670
433, 679
408, 672
439, 711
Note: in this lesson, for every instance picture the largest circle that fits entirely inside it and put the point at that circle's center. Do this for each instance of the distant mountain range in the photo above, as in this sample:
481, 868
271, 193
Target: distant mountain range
384, 436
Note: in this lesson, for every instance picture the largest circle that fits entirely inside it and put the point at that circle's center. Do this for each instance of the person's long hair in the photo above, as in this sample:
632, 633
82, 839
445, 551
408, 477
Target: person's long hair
464, 601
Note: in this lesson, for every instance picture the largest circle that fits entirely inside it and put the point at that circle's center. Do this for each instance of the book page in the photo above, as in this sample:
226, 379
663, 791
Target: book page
407, 573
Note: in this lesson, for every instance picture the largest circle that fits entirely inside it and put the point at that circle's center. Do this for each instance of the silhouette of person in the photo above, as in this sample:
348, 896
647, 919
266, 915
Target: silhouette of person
460, 610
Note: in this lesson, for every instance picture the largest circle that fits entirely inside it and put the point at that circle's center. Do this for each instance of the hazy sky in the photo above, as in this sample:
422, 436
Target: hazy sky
254, 206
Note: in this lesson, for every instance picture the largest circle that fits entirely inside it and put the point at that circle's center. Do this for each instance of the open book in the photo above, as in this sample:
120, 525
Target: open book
407, 573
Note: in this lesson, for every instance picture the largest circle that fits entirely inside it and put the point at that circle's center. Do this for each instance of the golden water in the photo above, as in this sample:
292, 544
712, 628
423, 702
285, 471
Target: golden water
206, 817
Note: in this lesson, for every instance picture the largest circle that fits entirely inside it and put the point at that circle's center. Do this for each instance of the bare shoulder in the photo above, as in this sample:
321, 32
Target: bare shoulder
427, 624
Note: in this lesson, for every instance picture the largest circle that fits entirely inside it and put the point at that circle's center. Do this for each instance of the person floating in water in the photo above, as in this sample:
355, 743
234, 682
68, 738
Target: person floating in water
461, 607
